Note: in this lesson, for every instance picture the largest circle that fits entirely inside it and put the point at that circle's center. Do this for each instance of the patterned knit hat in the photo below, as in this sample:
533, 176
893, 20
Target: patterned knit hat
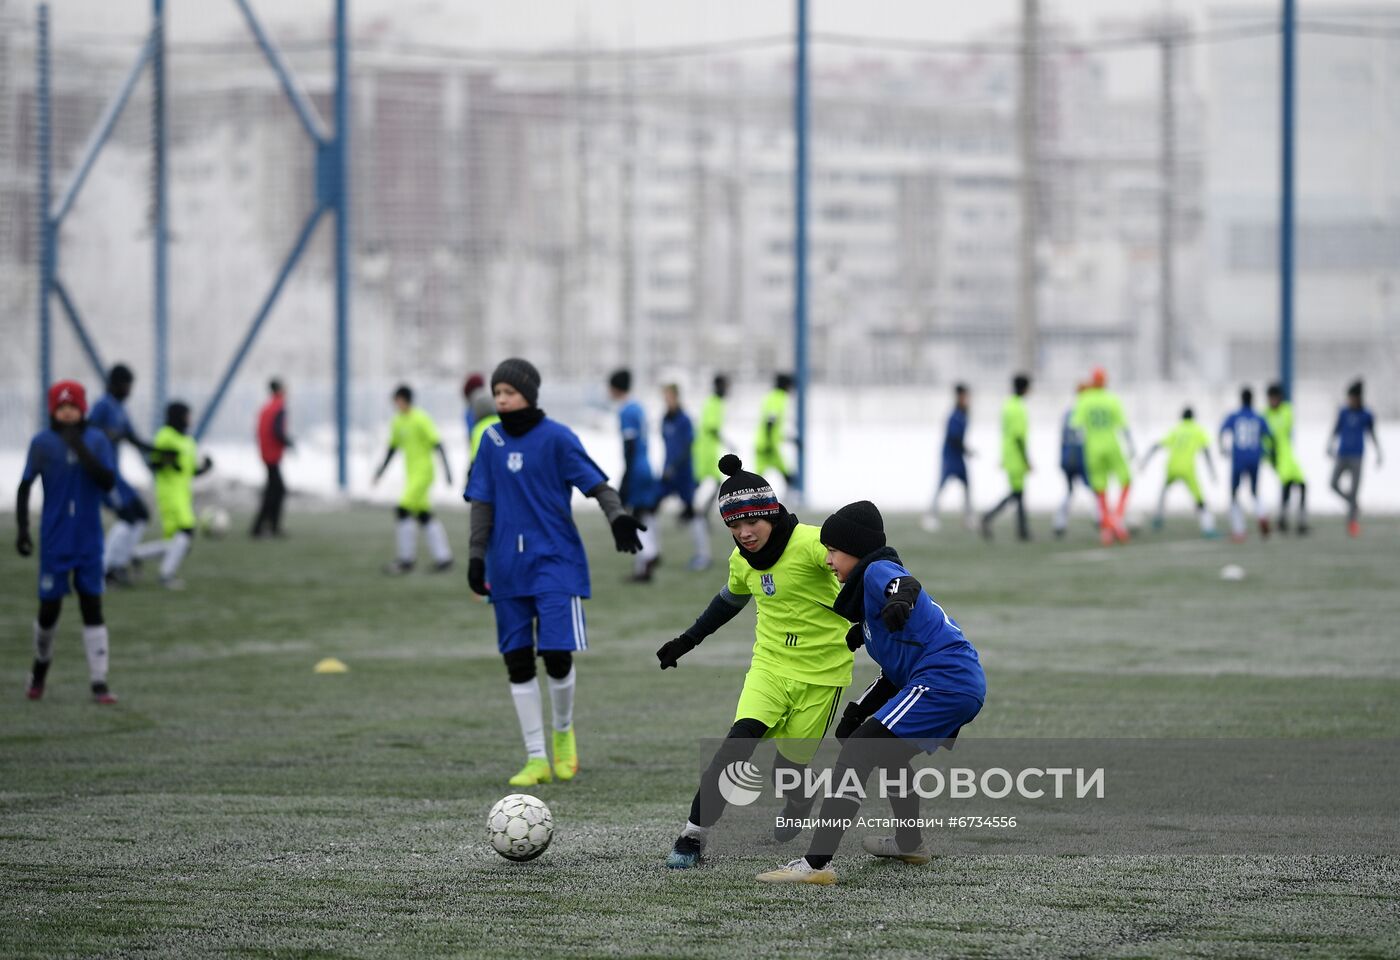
745, 496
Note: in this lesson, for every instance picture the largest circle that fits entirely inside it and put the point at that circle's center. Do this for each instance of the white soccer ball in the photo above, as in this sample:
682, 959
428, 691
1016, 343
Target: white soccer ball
214, 521
519, 827
1232, 571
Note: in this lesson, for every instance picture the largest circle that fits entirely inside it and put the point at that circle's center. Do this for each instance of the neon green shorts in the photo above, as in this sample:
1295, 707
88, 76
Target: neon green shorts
1189, 479
1289, 471
1106, 462
415, 497
1016, 476
796, 712
765, 460
176, 512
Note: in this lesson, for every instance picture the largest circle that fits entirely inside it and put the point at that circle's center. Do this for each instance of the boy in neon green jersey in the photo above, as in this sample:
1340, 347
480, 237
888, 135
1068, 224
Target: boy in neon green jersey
1183, 443
801, 660
175, 461
1099, 414
1279, 450
1015, 429
768, 445
417, 436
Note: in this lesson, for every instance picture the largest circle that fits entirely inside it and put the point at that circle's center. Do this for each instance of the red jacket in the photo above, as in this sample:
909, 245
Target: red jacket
272, 430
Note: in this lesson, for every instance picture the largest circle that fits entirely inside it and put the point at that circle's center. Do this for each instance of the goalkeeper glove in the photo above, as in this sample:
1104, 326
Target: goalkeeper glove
624, 531
673, 650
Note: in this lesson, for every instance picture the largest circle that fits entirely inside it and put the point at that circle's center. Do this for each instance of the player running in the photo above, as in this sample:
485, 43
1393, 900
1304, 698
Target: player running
1248, 433
772, 421
639, 488
678, 474
109, 415
1015, 428
1071, 465
1279, 417
522, 527
76, 464
930, 686
955, 454
800, 659
175, 461
1099, 414
1183, 443
415, 433
1348, 446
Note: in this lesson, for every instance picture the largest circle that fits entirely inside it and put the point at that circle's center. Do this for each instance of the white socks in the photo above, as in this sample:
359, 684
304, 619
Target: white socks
1062, 514
1236, 519
43, 643
561, 700
530, 712
406, 539
1207, 520
437, 541
118, 546
95, 642
700, 534
175, 551
699, 833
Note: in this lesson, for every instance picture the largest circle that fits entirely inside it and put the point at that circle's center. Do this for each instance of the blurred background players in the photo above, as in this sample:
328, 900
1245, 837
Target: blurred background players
1247, 432
417, 436
273, 441
639, 490
678, 473
481, 413
1071, 464
955, 454
109, 415
1279, 417
74, 460
772, 421
1184, 442
175, 461
1015, 460
1348, 446
710, 443
1099, 415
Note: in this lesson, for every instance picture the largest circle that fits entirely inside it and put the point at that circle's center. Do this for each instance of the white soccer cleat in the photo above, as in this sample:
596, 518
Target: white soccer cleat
799, 871
930, 523
886, 847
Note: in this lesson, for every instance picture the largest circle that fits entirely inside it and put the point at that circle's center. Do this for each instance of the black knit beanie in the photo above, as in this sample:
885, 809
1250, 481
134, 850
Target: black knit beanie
520, 374
857, 529
745, 495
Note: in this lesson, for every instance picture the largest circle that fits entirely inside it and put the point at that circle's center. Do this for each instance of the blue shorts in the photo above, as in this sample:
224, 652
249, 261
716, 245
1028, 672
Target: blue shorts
929, 716
86, 573
682, 485
550, 621
954, 467
1239, 471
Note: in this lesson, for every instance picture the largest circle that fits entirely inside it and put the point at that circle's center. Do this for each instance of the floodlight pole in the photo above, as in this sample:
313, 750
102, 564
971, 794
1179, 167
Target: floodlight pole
1285, 219
160, 216
800, 122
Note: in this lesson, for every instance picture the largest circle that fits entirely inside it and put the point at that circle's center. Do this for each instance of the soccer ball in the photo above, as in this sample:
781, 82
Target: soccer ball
213, 522
519, 827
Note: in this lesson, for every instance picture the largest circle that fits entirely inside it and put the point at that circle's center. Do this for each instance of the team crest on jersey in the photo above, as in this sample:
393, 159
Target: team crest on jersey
769, 587
514, 461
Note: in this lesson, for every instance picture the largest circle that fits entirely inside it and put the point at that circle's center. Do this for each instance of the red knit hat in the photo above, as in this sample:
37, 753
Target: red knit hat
67, 391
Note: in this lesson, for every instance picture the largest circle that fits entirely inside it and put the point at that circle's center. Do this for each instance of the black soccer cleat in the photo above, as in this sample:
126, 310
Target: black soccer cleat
686, 853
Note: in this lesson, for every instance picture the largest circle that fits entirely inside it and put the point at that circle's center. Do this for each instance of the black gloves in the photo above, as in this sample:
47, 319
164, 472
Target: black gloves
476, 577
855, 637
624, 531
23, 543
900, 596
850, 720
895, 615
673, 650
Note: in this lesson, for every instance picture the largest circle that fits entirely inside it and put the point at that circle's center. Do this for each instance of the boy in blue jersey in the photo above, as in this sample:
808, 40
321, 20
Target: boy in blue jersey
1348, 446
74, 461
1247, 431
639, 490
678, 473
522, 525
930, 686
109, 415
1072, 465
955, 454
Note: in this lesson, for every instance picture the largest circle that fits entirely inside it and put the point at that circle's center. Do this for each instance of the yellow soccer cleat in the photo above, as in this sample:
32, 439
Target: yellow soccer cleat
565, 754
798, 871
536, 770
886, 847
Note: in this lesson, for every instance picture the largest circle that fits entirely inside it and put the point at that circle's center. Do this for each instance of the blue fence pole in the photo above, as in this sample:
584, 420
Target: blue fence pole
305, 112
76, 319
46, 236
1285, 218
342, 242
160, 224
799, 246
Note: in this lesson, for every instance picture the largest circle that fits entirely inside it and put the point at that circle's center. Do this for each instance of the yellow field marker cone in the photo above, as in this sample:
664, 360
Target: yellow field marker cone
331, 665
